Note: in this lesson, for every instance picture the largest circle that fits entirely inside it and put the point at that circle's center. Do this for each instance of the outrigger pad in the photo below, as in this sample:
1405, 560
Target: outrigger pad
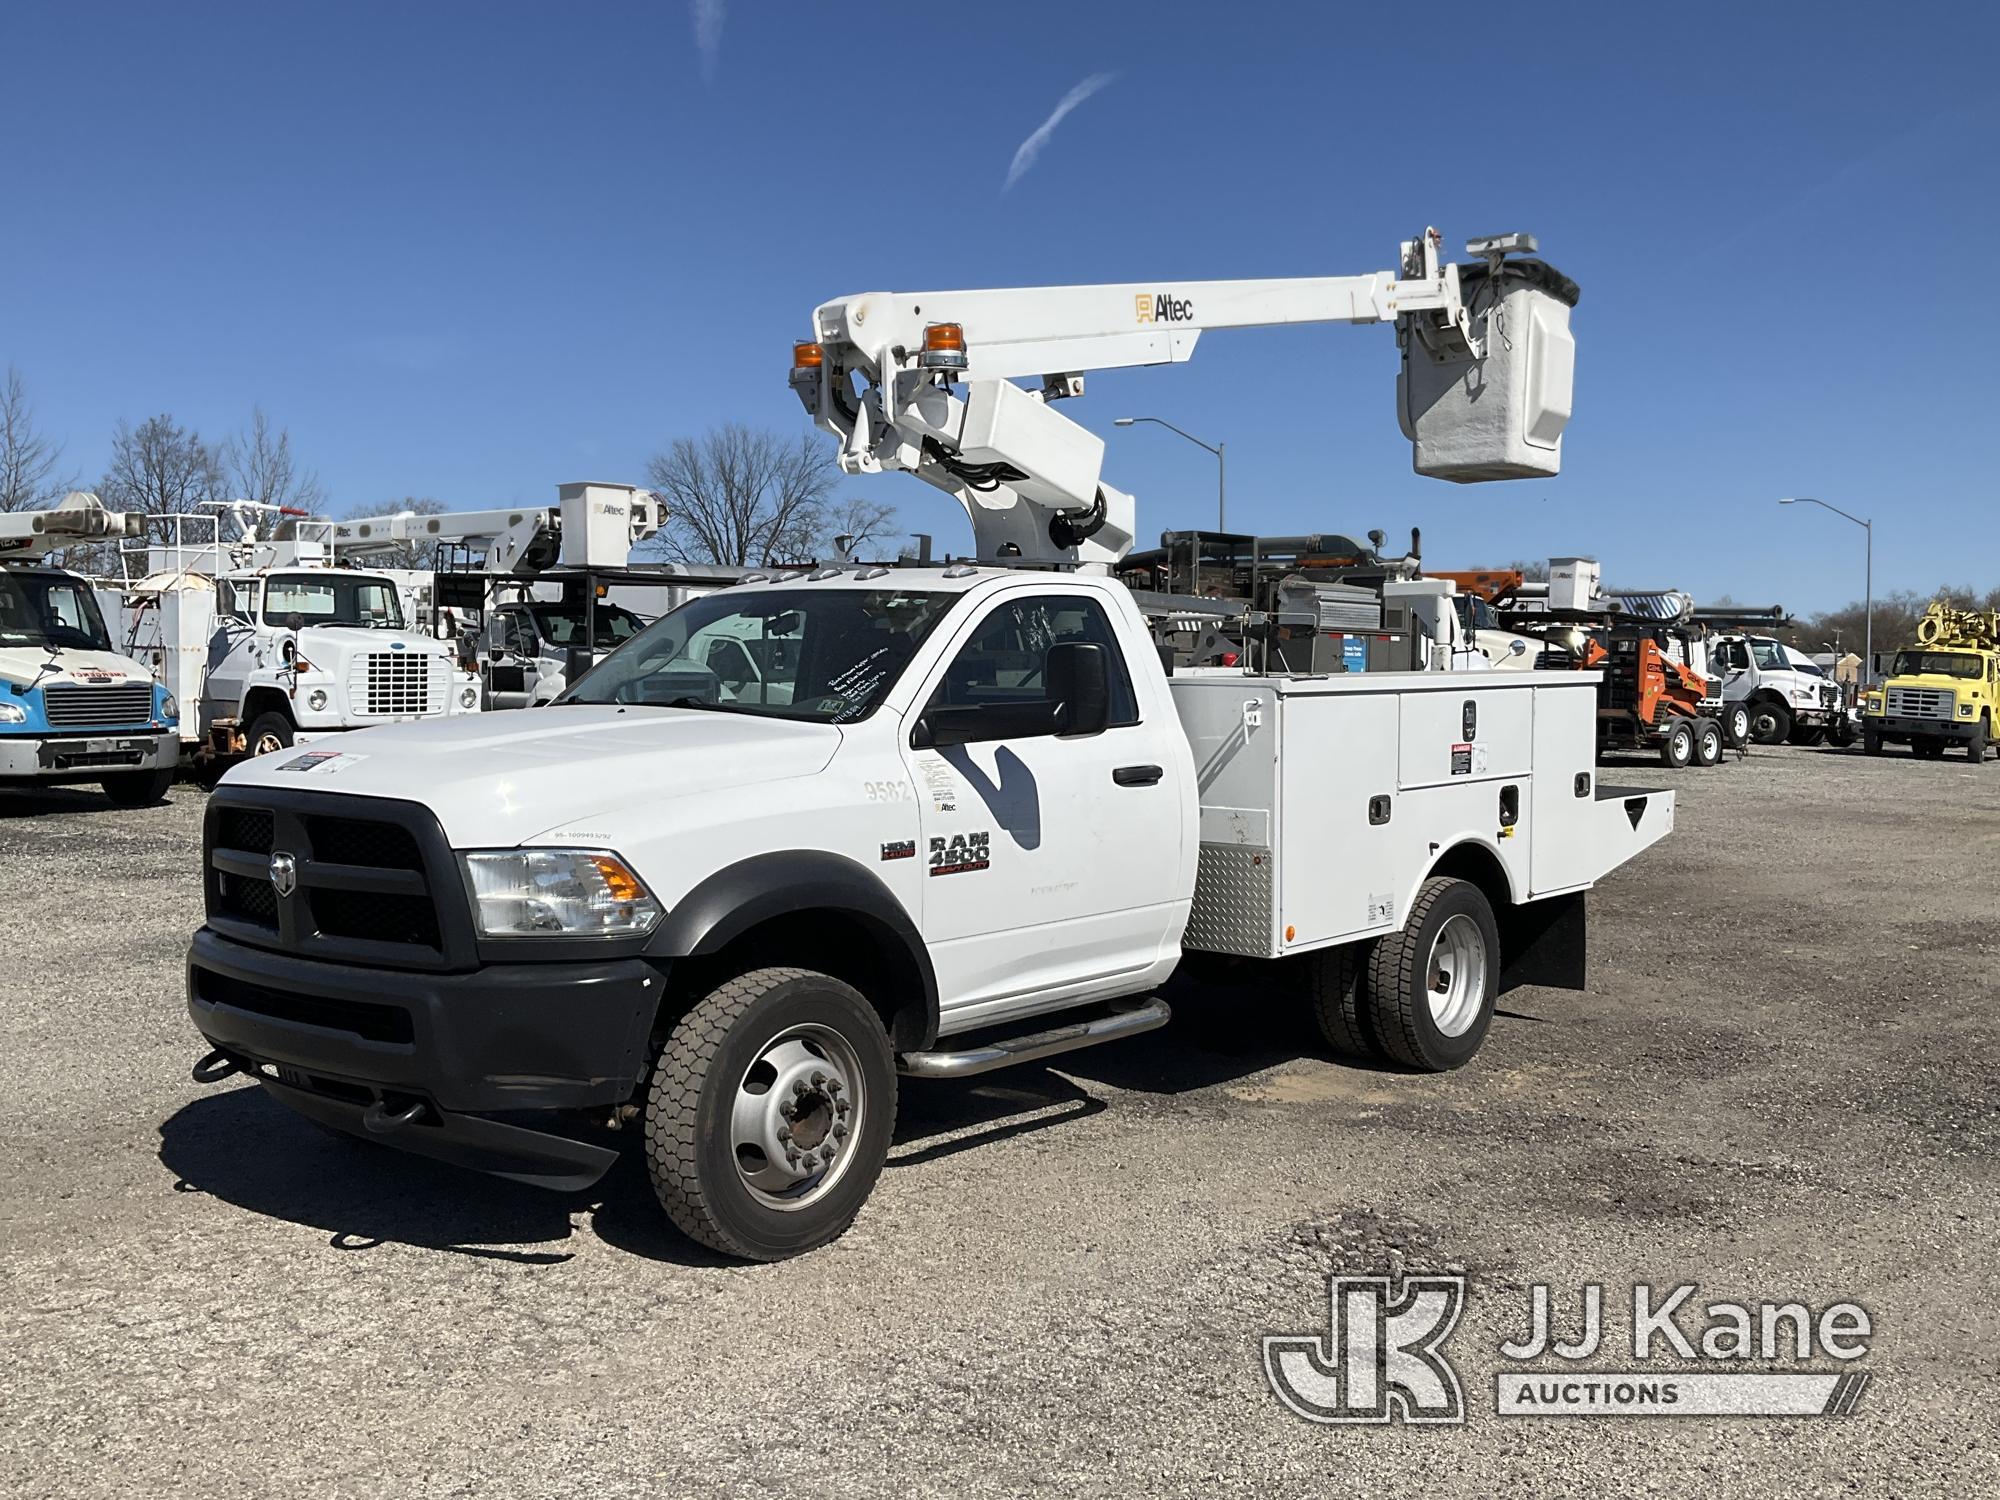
1499, 416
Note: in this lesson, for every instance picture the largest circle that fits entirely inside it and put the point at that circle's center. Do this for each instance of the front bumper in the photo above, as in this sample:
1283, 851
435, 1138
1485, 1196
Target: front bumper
352, 1046
87, 757
1935, 729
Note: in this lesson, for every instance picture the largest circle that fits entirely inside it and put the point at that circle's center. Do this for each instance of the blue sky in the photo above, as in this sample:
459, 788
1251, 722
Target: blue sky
473, 250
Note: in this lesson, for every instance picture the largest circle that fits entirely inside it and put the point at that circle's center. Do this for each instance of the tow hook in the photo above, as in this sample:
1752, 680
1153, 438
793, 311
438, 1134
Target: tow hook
215, 1067
377, 1119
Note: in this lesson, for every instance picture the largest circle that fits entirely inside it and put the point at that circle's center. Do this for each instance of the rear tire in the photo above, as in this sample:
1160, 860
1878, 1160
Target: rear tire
1707, 742
1431, 986
1770, 723
754, 1082
139, 788
1736, 725
1677, 749
1337, 983
1806, 734
269, 733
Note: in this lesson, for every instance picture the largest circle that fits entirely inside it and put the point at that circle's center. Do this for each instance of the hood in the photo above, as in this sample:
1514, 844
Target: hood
359, 638
24, 664
498, 779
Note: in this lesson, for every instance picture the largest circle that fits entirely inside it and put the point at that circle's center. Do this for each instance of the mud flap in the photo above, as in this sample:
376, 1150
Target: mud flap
1544, 942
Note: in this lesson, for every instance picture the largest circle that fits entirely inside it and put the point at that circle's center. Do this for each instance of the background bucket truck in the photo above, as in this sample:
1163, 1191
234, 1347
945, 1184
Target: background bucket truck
73, 707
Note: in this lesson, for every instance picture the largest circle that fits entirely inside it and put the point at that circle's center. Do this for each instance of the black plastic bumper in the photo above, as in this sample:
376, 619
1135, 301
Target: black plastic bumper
1937, 729
355, 1047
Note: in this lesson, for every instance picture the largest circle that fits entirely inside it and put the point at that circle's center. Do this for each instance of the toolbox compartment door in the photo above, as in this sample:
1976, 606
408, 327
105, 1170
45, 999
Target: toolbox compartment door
1584, 828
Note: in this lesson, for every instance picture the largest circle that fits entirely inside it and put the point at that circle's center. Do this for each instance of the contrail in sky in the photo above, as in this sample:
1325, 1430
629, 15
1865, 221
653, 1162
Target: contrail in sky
1031, 148
708, 18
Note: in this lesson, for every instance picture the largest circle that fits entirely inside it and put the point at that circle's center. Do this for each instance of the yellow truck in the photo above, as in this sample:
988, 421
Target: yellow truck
1943, 690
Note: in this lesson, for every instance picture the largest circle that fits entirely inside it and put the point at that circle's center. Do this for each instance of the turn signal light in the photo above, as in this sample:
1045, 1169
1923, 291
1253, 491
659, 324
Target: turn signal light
808, 356
944, 347
620, 883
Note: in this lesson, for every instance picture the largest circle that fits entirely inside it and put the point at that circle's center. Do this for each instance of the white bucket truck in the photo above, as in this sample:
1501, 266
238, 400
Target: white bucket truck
811, 831
73, 708
247, 613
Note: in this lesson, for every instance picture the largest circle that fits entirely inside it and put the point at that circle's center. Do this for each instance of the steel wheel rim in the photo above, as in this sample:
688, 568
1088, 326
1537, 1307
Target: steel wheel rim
795, 1115
267, 744
1455, 977
1764, 725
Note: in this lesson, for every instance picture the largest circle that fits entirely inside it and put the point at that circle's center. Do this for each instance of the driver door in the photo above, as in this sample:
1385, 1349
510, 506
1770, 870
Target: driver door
1052, 861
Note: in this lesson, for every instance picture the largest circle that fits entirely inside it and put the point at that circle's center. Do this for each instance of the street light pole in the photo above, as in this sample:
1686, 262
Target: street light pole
1868, 585
1220, 450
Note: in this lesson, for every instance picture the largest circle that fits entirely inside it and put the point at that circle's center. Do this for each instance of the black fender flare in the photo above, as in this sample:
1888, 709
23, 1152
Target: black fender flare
738, 897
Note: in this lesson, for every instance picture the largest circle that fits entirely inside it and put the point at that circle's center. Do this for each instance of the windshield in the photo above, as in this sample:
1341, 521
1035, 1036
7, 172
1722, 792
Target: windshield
1770, 655
825, 655
332, 599
50, 609
1935, 664
561, 625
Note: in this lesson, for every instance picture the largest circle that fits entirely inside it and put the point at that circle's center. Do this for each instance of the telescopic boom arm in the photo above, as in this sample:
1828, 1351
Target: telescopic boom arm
937, 397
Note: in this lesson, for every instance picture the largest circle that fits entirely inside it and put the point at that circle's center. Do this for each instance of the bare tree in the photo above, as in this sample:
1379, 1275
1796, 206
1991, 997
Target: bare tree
740, 496
403, 554
261, 468
860, 522
160, 468
1532, 572
28, 478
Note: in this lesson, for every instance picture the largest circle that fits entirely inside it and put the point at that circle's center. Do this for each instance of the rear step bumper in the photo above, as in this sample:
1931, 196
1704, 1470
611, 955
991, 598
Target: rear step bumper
1131, 1020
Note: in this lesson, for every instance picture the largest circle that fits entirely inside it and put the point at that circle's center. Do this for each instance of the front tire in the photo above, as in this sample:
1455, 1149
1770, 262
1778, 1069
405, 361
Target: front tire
1432, 985
1770, 723
270, 732
139, 788
1871, 742
1975, 748
770, 1113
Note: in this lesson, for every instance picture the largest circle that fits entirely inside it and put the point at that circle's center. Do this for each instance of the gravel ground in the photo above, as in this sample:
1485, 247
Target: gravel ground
1780, 1085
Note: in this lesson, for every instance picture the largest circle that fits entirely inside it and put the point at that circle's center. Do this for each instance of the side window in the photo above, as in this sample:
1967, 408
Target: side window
1006, 659
511, 638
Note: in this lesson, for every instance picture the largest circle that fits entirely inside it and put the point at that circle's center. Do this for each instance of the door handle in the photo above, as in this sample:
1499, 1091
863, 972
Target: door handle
1137, 775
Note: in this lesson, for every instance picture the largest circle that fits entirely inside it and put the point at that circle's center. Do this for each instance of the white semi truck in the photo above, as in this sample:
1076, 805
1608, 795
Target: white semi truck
814, 830
73, 707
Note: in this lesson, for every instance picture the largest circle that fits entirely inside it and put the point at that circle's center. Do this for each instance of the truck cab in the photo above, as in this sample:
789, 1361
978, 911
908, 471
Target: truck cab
298, 654
1791, 701
1935, 697
536, 645
73, 708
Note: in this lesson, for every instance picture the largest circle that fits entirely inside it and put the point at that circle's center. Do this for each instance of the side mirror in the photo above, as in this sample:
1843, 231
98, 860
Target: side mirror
1079, 684
295, 622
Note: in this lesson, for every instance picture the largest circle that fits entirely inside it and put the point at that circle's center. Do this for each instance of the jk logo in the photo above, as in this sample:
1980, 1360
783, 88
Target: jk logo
1380, 1358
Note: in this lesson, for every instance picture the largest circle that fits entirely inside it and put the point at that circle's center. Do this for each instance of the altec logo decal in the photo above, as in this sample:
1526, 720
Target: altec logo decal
1162, 307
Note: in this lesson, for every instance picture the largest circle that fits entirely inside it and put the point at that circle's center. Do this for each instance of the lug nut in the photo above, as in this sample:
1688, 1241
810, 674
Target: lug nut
842, 1107
798, 1086
784, 1132
840, 1128
818, 1079
833, 1087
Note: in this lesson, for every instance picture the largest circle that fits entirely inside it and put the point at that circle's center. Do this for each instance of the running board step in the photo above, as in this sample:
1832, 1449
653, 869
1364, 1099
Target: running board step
1145, 1015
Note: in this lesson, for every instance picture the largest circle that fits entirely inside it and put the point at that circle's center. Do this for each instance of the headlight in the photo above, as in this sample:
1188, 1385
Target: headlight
468, 697
1965, 710
316, 699
13, 713
557, 893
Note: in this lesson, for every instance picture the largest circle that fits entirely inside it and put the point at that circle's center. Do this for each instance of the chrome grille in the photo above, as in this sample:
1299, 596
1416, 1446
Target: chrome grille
398, 684
1921, 703
78, 705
